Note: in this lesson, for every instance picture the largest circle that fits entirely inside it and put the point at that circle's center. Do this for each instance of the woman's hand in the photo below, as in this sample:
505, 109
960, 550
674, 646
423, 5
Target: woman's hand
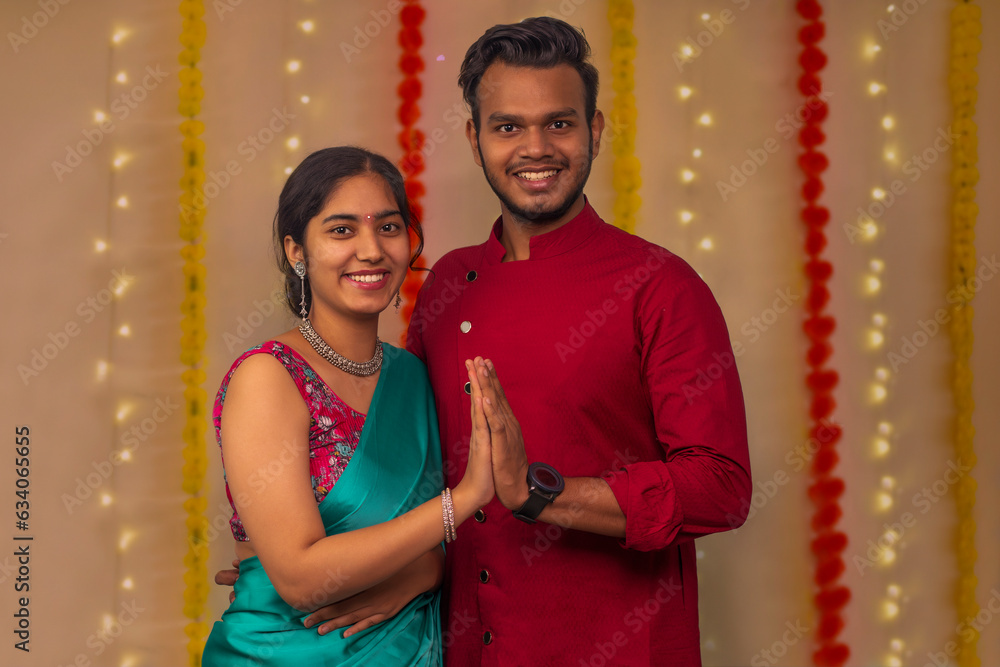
477, 484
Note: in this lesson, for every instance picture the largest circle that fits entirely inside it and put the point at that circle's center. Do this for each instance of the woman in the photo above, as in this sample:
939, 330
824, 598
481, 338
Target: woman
333, 464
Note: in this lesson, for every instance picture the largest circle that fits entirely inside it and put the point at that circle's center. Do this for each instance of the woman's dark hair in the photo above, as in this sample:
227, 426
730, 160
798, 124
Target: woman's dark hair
541, 42
307, 190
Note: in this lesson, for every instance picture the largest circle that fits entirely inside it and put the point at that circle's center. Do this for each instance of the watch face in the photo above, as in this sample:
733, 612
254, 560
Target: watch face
546, 478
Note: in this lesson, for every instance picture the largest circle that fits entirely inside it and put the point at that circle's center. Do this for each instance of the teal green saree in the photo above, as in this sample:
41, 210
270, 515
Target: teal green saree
397, 466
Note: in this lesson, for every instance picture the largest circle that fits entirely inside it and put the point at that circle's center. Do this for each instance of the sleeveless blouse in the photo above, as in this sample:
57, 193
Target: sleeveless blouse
334, 427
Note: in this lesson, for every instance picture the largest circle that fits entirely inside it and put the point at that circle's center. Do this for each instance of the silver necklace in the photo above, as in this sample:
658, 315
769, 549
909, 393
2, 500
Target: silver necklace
363, 369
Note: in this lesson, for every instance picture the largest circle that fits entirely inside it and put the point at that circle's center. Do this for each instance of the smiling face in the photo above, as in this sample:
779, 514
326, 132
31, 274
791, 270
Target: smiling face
534, 144
357, 249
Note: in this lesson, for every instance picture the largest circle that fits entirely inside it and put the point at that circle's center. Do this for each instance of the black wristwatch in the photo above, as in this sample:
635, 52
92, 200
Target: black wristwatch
544, 484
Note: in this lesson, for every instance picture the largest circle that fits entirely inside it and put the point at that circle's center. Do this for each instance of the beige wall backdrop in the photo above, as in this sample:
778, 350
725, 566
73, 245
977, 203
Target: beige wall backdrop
92, 284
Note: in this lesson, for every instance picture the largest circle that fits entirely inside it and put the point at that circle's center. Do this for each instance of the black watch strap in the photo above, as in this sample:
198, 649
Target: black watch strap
532, 507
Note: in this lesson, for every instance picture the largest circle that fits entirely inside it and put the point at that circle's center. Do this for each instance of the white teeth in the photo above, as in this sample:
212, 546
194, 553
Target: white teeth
369, 278
536, 175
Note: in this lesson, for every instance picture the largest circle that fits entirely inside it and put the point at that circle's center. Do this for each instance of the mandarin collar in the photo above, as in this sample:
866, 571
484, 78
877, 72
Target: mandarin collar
550, 244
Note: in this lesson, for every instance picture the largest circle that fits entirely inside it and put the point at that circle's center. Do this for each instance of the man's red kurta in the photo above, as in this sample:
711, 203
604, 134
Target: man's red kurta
616, 361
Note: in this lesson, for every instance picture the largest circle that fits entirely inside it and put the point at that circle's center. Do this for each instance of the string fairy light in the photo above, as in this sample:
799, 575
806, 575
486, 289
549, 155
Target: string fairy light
118, 207
889, 609
702, 120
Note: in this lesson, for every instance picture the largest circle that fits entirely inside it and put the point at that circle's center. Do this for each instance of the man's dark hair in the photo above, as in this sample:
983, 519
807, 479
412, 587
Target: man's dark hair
541, 42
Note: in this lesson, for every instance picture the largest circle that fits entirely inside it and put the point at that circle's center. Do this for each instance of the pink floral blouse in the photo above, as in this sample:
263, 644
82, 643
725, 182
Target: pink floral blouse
334, 427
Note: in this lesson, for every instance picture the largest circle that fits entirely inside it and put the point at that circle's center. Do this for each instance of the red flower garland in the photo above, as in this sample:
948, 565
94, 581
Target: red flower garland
411, 140
828, 544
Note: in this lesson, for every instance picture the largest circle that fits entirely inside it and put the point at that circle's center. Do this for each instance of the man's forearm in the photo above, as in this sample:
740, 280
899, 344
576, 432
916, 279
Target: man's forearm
587, 504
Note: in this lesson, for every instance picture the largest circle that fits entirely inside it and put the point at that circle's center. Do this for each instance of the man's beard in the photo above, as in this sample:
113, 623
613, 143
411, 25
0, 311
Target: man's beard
541, 217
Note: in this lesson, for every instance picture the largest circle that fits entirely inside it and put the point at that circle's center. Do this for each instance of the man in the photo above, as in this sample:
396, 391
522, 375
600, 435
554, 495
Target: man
601, 342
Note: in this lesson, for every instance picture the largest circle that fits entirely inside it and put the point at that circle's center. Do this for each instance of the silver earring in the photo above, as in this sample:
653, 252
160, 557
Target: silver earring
399, 300
300, 271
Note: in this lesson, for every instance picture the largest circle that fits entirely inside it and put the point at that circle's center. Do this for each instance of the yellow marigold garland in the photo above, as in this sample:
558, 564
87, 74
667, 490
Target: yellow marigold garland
192, 215
965, 30
625, 178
